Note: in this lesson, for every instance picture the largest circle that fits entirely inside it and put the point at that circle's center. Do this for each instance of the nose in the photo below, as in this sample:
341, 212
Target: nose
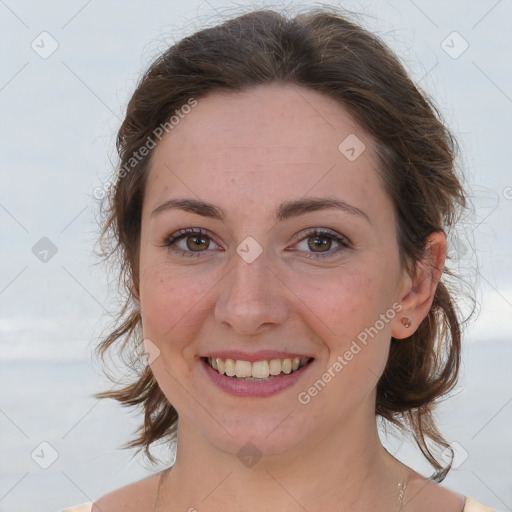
252, 298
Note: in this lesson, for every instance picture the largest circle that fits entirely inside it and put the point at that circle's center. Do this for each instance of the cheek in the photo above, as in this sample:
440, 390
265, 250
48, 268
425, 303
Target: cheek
352, 316
343, 303
169, 299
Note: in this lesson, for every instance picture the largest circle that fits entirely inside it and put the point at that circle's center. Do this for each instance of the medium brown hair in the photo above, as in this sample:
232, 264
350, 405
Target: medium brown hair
324, 51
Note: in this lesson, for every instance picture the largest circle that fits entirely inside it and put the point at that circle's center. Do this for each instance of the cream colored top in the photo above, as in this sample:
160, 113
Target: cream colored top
470, 506
85, 507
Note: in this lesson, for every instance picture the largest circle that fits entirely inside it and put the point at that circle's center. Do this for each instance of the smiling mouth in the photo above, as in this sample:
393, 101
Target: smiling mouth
257, 371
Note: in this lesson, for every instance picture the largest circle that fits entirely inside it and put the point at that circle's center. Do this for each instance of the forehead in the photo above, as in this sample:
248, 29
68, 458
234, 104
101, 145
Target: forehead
263, 145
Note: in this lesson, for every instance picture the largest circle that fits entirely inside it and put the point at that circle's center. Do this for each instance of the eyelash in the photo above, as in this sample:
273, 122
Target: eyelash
312, 232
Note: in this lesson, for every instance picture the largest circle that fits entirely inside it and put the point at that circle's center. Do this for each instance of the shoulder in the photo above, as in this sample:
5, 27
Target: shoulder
137, 497
433, 496
85, 507
422, 494
473, 506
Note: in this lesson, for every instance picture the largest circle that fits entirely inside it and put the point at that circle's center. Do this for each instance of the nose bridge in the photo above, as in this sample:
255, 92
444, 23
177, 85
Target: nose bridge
250, 278
250, 296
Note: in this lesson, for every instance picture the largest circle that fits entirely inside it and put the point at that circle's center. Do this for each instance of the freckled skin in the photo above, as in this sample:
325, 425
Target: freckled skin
247, 153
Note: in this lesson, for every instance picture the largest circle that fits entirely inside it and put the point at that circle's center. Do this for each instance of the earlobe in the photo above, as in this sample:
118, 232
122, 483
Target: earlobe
419, 292
405, 322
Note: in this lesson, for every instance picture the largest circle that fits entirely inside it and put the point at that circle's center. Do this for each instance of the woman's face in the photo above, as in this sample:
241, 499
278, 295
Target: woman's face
256, 284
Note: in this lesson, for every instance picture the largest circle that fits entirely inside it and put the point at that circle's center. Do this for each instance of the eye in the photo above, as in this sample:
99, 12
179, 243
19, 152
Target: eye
193, 241
318, 242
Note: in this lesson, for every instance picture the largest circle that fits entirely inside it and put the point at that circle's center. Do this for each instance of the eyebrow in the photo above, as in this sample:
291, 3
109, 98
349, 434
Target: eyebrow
286, 210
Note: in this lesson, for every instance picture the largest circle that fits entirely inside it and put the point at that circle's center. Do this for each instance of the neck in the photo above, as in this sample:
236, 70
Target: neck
349, 470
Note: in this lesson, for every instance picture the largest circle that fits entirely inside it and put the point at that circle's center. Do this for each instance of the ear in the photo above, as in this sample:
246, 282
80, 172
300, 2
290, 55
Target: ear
418, 290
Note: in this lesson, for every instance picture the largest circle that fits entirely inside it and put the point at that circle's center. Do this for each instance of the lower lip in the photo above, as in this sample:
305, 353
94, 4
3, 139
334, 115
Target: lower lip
239, 387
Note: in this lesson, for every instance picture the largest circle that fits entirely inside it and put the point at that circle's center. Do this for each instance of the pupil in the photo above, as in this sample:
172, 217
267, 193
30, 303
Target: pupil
319, 243
196, 240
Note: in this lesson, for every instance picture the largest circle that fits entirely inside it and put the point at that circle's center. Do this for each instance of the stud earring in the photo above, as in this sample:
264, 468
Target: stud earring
406, 322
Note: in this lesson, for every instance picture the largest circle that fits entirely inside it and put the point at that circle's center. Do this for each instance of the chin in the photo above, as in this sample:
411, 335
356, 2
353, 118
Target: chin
255, 436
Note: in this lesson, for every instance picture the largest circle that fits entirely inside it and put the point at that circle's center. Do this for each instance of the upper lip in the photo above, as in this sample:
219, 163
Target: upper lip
261, 355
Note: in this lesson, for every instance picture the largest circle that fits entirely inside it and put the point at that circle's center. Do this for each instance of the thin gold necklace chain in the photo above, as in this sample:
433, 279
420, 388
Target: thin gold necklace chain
401, 493
402, 486
156, 505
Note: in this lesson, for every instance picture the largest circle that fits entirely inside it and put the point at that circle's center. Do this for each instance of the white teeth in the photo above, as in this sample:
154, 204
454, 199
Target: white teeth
275, 366
286, 366
243, 369
258, 369
229, 367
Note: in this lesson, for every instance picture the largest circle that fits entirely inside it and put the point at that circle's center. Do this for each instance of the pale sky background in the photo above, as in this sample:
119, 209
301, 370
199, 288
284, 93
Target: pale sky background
59, 116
